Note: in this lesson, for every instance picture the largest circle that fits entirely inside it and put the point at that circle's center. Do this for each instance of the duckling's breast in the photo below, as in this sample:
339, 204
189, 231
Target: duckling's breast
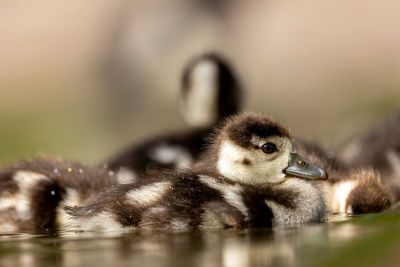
296, 201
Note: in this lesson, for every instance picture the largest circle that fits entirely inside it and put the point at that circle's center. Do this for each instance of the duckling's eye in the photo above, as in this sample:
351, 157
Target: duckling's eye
269, 148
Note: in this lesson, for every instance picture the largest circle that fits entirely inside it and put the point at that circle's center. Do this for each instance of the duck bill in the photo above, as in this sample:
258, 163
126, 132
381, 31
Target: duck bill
298, 167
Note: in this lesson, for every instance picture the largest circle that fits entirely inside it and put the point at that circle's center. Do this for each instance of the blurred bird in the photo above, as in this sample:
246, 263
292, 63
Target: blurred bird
210, 93
378, 148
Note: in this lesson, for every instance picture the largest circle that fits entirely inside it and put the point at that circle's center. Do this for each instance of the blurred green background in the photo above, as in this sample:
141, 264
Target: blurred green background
83, 79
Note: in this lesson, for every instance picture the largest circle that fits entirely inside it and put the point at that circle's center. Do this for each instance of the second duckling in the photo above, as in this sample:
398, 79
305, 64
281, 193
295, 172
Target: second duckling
349, 189
253, 179
379, 148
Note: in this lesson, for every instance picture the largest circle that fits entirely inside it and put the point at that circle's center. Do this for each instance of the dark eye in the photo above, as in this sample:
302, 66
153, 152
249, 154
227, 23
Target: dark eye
269, 148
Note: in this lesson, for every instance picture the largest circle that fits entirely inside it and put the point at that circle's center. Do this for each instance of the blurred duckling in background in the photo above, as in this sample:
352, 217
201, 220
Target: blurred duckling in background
210, 93
379, 148
253, 178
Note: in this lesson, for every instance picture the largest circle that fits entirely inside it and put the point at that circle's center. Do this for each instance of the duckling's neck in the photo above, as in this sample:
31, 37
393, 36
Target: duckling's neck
299, 201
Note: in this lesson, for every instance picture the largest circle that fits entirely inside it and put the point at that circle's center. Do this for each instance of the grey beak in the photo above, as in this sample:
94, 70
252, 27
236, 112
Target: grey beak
299, 167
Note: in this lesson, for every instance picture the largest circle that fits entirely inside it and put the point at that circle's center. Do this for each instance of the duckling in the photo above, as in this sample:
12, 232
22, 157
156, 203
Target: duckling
253, 179
31, 192
210, 92
250, 180
182, 151
358, 191
351, 190
379, 148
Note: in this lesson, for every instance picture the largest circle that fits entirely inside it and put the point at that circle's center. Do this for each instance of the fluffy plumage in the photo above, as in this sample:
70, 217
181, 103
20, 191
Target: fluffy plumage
49, 193
31, 191
349, 189
199, 201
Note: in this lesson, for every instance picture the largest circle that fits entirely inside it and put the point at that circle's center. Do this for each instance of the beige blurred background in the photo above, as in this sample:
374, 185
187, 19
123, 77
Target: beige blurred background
83, 79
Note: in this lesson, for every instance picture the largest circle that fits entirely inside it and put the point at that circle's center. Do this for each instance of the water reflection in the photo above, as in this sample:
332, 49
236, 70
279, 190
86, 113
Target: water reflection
281, 246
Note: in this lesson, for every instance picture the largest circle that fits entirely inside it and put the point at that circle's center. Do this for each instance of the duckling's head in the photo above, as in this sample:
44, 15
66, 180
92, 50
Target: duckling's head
254, 149
210, 91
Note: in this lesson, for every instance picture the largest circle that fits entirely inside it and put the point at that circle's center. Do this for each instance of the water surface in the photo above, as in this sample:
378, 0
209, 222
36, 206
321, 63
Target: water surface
370, 240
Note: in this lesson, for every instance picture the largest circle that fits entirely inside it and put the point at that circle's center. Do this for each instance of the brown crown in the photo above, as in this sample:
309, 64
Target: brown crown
241, 128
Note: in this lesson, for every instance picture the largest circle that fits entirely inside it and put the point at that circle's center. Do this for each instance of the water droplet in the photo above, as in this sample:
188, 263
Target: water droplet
52, 192
111, 173
69, 169
80, 170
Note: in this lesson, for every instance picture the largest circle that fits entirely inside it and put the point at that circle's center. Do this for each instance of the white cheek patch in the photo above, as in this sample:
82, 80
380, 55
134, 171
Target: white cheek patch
200, 105
231, 193
339, 195
261, 169
147, 195
272, 171
273, 167
230, 160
